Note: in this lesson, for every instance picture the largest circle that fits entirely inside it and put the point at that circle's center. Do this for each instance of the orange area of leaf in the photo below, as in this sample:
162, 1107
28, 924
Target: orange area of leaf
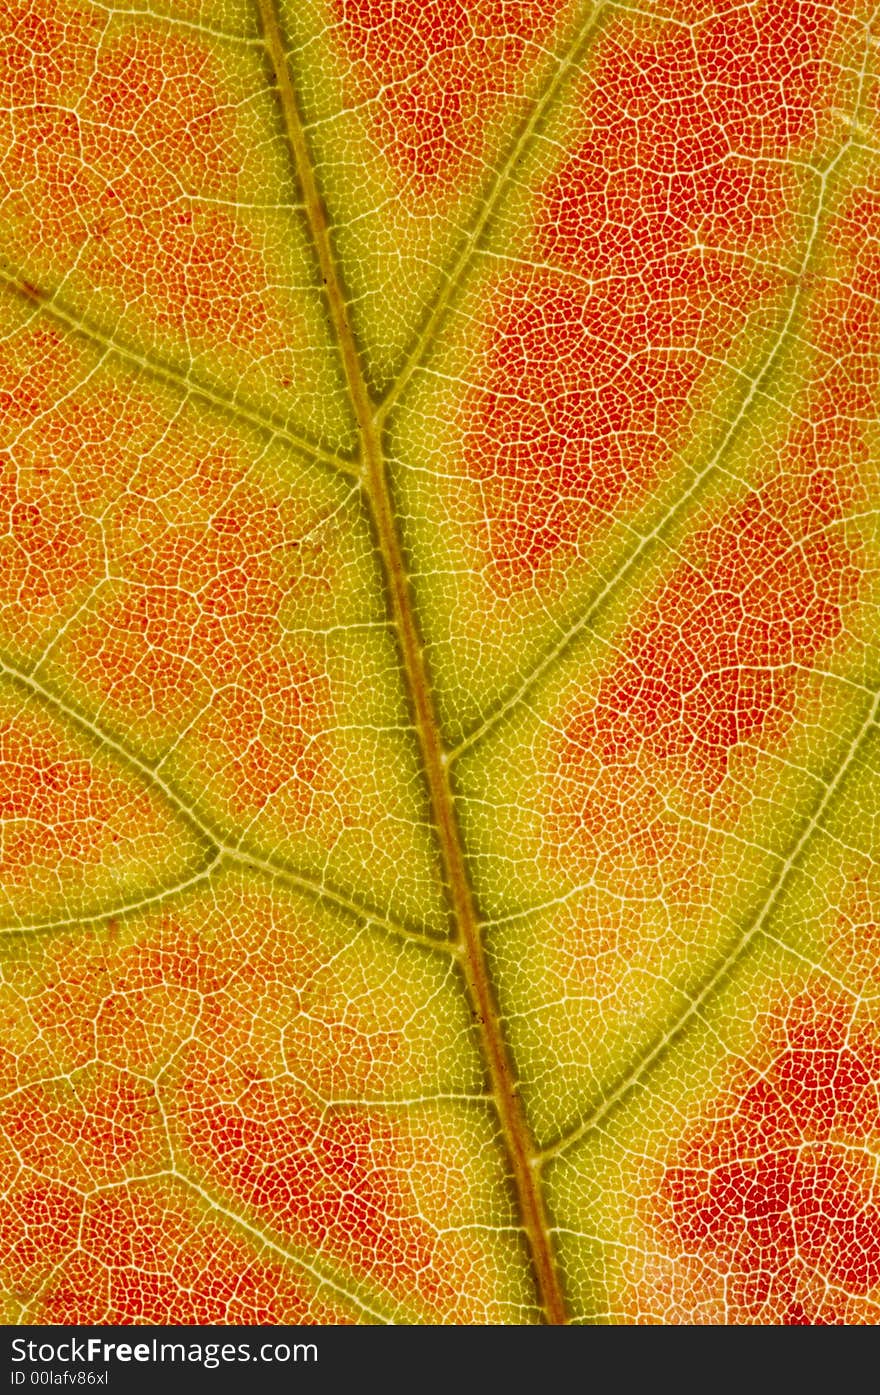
97, 1126
715, 655
854, 939
84, 1244
208, 564
435, 74
195, 568
350, 1183
145, 1254
122, 154
51, 544
110, 1103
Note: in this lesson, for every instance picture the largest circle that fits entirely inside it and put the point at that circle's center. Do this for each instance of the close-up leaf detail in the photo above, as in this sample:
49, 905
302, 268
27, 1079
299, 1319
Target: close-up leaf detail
439, 580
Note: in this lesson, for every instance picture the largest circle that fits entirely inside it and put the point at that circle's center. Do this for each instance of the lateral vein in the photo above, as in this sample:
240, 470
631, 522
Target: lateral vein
734, 954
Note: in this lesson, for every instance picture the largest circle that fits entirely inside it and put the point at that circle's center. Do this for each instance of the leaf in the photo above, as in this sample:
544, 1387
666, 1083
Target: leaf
438, 622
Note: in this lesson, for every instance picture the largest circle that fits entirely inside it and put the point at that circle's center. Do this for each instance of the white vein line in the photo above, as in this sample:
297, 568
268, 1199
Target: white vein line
176, 22
294, 1259
155, 898
180, 379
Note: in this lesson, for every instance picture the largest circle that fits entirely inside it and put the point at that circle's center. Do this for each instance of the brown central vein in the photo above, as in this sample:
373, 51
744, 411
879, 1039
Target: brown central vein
520, 1144
164, 371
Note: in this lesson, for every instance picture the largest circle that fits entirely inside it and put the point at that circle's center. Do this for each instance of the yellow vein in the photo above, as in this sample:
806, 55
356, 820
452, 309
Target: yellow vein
737, 951
518, 1139
221, 858
487, 210
170, 376
311, 887
361, 913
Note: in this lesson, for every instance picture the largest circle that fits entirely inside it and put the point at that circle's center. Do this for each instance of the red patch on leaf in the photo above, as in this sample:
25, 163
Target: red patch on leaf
63, 814
775, 1194
50, 545
597, 367
100, 1127
339, 1181
716, 653
711, 663
147, 1253
40, 1222
333, 1181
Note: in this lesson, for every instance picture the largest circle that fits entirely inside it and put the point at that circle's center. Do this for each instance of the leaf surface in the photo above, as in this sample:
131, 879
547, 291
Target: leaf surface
438, 662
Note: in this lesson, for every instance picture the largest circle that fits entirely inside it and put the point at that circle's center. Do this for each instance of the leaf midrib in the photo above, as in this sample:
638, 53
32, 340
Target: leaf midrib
377, 491
518, 1138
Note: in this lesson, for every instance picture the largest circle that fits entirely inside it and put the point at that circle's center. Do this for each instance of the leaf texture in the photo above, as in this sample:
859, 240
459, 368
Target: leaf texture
438, 662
